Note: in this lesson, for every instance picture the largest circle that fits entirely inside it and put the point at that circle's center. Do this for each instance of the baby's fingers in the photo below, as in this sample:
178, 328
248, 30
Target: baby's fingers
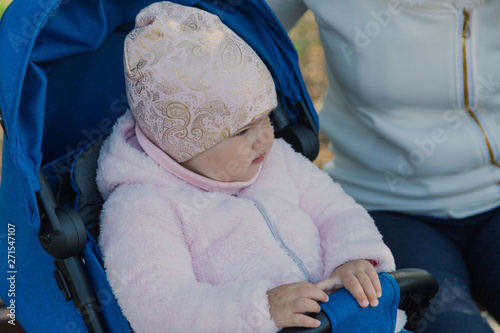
352, 283
370, 283
375, 282
329, 285
302, 305
302, 320
365, 288
369, 289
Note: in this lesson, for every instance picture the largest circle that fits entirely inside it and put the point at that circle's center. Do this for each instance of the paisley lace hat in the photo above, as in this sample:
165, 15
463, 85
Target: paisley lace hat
191, 81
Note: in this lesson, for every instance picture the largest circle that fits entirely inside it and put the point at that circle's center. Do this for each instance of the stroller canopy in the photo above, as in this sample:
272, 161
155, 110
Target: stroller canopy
61, 87
62, 82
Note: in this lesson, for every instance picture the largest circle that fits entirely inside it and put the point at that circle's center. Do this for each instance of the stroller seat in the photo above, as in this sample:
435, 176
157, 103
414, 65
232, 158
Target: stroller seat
62, 87
78, 188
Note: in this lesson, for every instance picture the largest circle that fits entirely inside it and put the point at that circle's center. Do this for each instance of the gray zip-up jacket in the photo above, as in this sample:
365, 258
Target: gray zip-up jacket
413, 106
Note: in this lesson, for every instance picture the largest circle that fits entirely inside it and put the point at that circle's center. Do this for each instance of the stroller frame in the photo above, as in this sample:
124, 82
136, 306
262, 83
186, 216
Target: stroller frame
63, 226
58, 37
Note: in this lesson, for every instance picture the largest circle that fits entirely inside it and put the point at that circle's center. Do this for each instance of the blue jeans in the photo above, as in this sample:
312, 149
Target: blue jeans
462, 254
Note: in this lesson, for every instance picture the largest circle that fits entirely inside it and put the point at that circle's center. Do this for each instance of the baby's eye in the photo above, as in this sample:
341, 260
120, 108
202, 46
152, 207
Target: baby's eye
241, 133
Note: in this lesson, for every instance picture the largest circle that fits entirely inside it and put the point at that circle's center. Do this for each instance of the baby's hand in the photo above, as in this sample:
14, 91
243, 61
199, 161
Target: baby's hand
357, 276
289, 302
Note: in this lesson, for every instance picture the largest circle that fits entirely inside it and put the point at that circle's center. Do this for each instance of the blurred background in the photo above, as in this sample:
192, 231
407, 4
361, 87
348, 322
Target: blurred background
312, 64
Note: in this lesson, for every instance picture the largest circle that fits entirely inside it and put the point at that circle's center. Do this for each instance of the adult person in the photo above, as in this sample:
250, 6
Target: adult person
413, 114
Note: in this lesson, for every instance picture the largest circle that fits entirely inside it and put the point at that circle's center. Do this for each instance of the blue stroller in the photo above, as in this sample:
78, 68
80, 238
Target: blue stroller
61, 90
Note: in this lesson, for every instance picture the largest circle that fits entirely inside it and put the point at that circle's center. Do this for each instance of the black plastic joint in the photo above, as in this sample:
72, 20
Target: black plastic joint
62, 232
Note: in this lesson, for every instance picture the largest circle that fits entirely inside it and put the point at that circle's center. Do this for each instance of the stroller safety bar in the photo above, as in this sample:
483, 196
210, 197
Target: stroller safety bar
303, 136
61, 232
417, 288
63, 236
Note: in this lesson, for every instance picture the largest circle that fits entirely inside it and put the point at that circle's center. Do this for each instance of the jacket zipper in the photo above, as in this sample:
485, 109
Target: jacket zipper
466, 33
278, 239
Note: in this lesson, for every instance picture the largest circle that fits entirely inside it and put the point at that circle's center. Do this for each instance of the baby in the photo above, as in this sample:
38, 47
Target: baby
210, 224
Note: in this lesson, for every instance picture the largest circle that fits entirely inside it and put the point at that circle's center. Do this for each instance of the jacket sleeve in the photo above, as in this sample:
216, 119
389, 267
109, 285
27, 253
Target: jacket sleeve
149, 267
287, 11
347, 231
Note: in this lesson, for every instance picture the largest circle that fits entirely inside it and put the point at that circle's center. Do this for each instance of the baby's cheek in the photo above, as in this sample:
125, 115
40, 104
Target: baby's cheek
244, 149
234, 168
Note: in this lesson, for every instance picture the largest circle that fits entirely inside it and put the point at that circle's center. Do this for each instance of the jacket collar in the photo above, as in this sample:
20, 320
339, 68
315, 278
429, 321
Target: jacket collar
167, 163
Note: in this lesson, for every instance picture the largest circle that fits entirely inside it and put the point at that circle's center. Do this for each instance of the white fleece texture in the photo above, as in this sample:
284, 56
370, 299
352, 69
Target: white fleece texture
180, 259
400, 321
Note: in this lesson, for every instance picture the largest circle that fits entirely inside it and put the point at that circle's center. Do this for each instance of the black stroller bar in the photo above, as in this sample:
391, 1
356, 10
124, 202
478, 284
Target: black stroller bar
63, 236
2, 123
417, 288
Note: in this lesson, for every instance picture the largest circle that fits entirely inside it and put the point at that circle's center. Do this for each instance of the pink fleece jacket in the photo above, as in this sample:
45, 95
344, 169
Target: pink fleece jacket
182, 259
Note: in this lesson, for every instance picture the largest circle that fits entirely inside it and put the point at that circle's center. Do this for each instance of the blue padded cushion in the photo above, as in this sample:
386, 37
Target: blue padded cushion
347, 316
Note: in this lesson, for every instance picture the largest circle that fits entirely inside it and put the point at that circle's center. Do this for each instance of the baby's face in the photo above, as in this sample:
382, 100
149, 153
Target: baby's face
238, 157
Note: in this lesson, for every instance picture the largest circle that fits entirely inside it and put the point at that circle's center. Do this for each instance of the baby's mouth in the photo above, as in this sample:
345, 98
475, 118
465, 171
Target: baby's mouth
259, 159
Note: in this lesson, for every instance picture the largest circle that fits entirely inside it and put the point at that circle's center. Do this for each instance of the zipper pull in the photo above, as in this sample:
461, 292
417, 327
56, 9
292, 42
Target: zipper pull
466, 28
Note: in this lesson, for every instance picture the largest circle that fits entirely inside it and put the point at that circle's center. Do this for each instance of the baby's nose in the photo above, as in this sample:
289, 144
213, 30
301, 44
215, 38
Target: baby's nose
263, 137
